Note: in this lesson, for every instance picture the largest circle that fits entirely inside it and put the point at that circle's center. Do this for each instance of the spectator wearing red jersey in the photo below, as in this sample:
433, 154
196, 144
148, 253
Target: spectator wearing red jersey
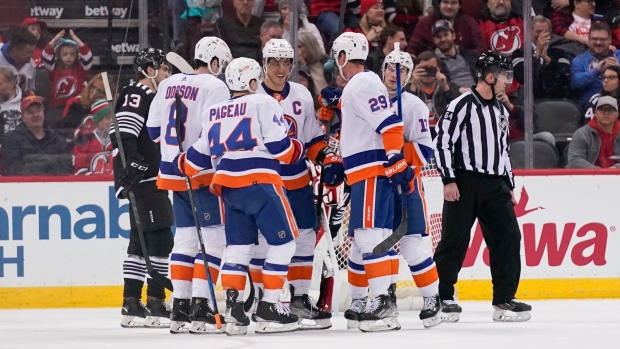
466, 29
93, 151
372, 22
574, 22
502, 29
66, 61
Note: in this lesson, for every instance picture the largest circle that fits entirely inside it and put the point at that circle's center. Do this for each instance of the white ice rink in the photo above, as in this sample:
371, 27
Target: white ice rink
592, 324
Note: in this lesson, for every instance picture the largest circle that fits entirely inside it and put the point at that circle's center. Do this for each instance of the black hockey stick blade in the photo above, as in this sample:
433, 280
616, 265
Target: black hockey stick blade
391, 240
247, 305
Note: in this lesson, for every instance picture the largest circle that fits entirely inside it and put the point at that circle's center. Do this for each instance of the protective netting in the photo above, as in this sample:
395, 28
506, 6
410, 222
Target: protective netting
406, 291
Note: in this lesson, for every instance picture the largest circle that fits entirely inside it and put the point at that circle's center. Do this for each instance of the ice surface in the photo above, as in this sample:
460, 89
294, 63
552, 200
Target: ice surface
562, 324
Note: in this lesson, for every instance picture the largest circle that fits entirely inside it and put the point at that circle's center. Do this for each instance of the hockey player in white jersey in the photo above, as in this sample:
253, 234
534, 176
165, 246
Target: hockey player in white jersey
198, 92
247, 139
371, 140
418, 151
298, 109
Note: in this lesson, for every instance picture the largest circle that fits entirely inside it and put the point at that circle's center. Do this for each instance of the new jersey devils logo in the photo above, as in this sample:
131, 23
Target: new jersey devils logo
66, 87
506, 40
101, 163
292, 126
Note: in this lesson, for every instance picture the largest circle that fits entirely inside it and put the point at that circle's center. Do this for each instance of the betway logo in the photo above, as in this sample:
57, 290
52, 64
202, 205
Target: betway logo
39, 11
583, 252
125, 48
102, 11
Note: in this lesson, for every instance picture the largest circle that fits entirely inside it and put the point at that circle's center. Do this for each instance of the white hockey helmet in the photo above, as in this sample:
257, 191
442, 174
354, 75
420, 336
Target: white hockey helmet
354, 45
240, 72
211, 47
405, 61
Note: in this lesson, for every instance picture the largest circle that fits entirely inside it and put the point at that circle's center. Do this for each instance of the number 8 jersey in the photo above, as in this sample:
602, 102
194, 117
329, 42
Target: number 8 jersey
198, 92
246, 137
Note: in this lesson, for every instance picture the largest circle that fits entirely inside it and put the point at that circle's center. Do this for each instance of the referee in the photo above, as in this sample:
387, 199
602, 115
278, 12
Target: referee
472, 156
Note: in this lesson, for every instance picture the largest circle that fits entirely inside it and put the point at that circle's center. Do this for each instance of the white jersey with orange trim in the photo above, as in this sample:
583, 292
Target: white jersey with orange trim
198, 93
370, 128
419, 146
298, 109
247, 139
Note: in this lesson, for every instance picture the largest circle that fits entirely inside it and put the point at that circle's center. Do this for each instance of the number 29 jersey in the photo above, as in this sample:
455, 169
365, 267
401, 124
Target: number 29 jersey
370, 128
246, 138
198, 92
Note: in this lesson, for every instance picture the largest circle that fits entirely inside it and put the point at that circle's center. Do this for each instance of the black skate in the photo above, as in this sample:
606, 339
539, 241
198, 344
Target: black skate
392, 294
133, 308
512, 311
303, 307
179, 317
451, 312
160, 313
203, 318
380, 309
274, 318
430, 313
236, 321
355, 309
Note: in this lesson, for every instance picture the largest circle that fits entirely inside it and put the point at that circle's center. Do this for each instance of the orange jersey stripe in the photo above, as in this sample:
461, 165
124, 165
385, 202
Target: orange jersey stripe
393, 138
369, 203
297, 183
233, 281
357, 280
289, 212
181, 272
314, 150
379, 269
365, 173
257, 275
426, 278
181, 185
273, 282
199, 272
299, 273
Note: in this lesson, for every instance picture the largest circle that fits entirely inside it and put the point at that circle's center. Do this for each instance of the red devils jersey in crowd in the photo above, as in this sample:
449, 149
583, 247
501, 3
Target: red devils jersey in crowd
502, 37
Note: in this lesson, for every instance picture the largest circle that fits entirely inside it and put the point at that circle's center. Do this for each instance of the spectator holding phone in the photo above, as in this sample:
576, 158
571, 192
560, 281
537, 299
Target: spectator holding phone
432, 87
67, 62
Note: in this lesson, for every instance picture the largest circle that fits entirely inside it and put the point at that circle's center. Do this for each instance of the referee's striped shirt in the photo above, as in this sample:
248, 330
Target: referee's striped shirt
473, 135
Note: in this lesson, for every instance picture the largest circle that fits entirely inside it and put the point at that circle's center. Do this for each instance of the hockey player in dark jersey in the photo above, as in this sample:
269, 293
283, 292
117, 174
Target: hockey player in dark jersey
153, 205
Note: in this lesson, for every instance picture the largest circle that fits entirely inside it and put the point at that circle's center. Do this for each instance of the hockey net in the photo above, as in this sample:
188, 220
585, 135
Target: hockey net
408, 296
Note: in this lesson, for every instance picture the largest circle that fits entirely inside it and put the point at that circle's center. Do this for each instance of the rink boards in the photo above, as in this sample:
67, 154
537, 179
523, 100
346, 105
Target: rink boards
62, 243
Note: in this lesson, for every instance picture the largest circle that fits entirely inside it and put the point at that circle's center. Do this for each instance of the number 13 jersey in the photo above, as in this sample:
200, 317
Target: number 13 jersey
198, 93
370, 128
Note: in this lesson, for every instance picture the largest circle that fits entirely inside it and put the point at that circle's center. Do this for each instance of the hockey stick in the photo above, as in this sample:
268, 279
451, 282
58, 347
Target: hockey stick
391, 240
190, 192
155, 275
180, 63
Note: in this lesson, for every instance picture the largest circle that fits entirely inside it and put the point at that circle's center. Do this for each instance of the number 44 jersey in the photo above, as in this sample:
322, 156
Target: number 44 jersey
198, 93
246, 137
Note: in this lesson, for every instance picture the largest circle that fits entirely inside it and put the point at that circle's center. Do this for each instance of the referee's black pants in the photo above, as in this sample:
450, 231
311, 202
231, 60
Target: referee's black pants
488, 199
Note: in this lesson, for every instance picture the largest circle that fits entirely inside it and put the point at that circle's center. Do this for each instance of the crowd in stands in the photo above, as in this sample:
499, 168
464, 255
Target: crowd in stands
54, 119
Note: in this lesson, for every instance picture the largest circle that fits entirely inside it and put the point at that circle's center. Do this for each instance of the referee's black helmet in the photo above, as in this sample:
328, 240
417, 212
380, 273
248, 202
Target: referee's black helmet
491, 62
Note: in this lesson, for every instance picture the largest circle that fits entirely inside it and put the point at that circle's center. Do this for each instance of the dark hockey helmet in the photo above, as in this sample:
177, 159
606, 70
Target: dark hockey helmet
492, 62
153, 57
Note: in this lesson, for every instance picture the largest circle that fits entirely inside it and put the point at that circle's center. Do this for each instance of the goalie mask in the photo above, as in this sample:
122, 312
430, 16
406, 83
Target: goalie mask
211, 47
